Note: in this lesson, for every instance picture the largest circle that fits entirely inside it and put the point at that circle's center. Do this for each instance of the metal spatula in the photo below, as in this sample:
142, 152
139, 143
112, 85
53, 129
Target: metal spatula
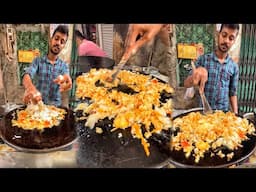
118, 68
206, 106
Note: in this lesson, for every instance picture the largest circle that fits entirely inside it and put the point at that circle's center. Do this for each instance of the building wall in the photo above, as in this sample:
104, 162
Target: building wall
8, 63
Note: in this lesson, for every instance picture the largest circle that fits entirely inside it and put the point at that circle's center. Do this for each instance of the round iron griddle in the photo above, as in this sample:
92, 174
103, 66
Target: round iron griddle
107, 150
52, 139
112, 150
179, 160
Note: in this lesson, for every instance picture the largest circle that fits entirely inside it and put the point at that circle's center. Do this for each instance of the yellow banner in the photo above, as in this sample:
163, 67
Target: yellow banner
186, 51
25, 56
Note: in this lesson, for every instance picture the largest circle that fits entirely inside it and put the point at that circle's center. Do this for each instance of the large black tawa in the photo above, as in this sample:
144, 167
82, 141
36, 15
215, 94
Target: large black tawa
118, 149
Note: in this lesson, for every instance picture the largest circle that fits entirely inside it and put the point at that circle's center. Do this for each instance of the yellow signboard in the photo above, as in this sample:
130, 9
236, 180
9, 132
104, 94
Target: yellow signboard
25, 56
187, 51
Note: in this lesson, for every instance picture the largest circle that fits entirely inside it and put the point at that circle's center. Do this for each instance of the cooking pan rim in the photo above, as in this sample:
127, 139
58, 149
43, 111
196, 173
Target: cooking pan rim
238, 161
45, 150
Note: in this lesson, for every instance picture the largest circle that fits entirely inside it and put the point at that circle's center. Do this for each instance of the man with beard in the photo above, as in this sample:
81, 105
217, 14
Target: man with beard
217, 74
48, 76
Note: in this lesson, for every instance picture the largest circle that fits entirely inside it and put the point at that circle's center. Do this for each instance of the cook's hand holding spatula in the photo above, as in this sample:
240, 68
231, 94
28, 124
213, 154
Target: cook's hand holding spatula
137, 36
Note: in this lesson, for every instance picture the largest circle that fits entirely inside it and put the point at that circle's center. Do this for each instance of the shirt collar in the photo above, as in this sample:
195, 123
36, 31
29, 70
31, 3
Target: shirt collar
215, 58
46, 60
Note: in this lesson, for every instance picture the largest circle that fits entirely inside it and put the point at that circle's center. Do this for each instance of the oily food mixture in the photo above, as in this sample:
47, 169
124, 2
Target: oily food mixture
219, 134
133, 100
38, 116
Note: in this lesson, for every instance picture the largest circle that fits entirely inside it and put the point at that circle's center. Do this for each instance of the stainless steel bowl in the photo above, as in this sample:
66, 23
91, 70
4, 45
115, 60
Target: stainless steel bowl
250, 116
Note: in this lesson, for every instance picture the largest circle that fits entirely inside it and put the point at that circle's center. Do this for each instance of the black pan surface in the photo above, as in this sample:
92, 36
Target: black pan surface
178, 157
118, 149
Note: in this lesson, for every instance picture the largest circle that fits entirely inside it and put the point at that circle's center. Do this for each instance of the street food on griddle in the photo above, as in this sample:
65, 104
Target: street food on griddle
134, 102
39, 116
218, 134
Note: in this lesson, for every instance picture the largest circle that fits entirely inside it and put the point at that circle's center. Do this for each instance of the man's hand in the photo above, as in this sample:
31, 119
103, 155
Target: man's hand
199, 77
32, 95
138, 35
64, 81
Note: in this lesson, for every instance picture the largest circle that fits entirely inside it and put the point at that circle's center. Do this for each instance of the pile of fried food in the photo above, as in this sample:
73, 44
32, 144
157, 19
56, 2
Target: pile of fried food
198, 134
39, 116
141, 105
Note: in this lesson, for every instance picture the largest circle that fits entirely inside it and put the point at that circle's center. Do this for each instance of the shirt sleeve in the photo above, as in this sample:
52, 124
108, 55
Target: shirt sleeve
200, 61
65, 68
33, 68
234, 81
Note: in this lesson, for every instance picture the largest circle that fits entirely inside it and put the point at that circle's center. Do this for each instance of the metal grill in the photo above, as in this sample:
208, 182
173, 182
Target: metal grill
247, 72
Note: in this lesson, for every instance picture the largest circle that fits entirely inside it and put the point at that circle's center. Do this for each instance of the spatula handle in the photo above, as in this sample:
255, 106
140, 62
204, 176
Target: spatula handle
118, 68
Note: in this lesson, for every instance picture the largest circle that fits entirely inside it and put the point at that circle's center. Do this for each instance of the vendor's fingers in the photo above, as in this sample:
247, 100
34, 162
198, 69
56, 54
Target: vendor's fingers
65, 86
131, 41
27, 98
203, 74
132, 35
196, 78
59, 79
37, 99
36, 94
204, 79
69, 80
201, 86
69, 85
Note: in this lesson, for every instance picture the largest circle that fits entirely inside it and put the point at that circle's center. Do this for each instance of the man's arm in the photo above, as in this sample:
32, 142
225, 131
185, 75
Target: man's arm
31, 93
198, 77
27, 82
188, 82
233, 103
233, 90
